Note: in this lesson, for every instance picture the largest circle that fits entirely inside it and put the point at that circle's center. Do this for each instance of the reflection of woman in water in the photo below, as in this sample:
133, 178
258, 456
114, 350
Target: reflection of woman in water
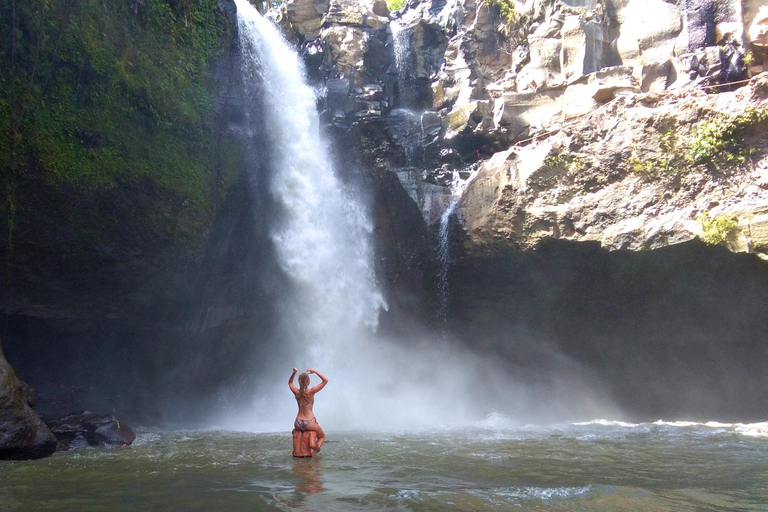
305, 419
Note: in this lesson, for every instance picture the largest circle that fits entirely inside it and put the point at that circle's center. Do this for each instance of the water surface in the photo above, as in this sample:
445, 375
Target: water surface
592, 466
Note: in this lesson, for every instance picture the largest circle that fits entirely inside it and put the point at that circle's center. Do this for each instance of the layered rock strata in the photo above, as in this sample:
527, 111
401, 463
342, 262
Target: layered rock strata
480, 77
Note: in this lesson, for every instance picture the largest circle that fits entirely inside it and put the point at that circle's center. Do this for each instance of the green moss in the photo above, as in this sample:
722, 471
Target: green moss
395, 5
99, 94
716, 230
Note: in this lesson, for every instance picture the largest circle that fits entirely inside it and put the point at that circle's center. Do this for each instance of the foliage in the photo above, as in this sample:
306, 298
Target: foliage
716, 230
566, 160
651, 167
719, 140
96, 94
395, 5
506, 9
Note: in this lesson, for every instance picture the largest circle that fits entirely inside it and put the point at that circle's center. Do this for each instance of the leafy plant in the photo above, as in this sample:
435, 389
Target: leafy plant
506, 9
716, 230
720, 139
566, 160
653, 167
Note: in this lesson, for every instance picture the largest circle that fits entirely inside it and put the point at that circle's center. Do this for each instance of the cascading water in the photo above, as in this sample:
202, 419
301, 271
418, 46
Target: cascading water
322, 239
458, 185
401, 42
329, 308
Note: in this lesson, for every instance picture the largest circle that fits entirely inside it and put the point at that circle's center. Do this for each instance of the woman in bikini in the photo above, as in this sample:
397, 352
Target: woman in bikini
305, 419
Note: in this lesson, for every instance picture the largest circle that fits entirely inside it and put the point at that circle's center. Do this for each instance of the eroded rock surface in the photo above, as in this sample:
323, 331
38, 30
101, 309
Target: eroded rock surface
23, 435
90, 429
623, 176
610, 91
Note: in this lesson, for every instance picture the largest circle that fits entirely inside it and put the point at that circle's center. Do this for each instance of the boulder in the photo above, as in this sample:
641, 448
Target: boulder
344, 47
649, 31
23, 435
90, 429
758, 29
306, 16
469, 117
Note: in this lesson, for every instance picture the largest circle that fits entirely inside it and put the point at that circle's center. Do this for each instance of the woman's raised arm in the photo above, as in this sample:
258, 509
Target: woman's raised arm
290, 382
322, 377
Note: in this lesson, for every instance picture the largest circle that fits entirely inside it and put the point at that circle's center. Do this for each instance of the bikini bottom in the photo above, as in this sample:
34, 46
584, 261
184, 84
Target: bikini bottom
303, 424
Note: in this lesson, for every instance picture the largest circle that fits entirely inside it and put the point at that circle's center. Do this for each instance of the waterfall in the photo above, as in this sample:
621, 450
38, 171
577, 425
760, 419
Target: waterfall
328, 302
323, 236
457, 187
401, 42
443, 248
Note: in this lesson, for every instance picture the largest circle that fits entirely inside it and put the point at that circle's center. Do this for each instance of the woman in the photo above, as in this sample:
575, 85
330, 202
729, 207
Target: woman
305, 419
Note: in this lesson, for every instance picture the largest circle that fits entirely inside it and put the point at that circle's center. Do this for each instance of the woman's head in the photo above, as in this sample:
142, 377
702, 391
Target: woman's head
303, 382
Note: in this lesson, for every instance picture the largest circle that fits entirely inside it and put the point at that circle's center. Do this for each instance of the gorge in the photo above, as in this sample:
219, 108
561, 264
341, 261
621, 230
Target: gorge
549, 212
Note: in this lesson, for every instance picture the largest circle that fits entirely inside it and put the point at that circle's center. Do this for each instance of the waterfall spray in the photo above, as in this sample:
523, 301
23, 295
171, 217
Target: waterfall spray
323, 238
329, 308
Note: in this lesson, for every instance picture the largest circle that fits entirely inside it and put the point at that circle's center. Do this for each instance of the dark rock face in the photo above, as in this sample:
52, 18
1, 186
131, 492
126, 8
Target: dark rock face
23, 435
91, 429
675, 332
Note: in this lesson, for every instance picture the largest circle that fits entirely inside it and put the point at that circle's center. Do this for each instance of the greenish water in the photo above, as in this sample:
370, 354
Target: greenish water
569, 467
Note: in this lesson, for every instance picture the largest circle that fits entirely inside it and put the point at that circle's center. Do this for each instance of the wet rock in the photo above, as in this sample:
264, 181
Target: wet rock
91, 429
23, 435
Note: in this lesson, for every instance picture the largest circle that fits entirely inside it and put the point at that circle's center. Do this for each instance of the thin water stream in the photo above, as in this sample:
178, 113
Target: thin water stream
611, 467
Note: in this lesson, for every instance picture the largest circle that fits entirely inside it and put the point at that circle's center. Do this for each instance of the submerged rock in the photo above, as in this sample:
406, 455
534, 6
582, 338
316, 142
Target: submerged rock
23, 435
90, 429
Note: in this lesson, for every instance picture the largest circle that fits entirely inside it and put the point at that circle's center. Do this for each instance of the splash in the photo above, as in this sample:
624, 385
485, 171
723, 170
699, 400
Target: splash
322, 238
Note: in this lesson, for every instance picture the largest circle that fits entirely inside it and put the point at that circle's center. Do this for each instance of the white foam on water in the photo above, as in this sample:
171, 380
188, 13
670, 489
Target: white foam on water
608, 423
759, 429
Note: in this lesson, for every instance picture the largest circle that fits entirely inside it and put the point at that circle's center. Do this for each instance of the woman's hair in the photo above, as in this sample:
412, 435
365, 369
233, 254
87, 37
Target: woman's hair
303, 384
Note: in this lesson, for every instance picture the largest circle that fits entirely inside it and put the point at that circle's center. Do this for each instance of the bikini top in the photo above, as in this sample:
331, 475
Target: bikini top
306, 404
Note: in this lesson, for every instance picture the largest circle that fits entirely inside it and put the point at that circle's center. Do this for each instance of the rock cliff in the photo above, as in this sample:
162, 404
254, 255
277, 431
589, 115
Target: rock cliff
587, 119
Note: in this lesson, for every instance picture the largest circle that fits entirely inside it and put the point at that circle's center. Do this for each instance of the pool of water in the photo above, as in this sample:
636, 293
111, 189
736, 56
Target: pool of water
592, 466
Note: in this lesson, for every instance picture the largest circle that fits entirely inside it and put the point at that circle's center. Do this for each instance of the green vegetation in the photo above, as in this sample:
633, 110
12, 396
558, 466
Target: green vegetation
395, 5
651, 167
506, 9
716, 230
96, 95
716, 143
719, 140
573, 163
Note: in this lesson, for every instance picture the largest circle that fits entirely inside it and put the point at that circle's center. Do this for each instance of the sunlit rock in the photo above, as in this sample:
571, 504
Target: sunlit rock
621, 176
758, 28
649, 30
306, 16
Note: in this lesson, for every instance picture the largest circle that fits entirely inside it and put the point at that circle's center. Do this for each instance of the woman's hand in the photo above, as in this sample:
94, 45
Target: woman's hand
295, 369
311, 370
